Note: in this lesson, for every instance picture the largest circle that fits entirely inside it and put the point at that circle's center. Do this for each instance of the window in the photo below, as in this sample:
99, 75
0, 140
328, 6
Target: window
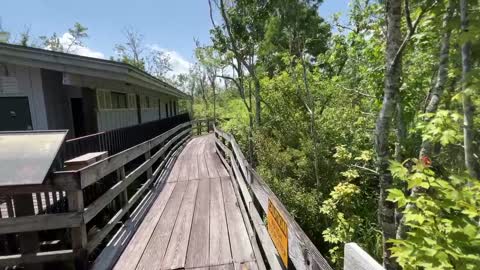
166, 109
147, 102
159, 109
119, 100
175, 107
132, 101
104, 100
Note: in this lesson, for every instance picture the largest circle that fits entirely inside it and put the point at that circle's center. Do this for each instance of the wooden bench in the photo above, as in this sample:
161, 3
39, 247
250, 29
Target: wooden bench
84, 160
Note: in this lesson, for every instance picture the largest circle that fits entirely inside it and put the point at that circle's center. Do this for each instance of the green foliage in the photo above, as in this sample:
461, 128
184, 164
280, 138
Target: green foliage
442, 220
321, 93
74, 39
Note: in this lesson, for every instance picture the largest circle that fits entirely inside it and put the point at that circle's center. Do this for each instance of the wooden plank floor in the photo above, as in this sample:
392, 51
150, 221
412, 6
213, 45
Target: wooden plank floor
195, 222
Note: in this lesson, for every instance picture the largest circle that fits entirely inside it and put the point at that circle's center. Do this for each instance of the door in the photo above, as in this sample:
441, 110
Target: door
78, 117
15, 114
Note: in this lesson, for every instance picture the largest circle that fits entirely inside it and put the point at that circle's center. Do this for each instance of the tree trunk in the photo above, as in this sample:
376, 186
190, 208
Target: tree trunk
258, 107
212, 84
401, 131
386, 209
468, 108
427, 147
442, 75
313, 131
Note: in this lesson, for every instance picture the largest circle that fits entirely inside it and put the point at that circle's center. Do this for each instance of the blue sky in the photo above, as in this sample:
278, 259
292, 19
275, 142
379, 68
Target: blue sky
167, 24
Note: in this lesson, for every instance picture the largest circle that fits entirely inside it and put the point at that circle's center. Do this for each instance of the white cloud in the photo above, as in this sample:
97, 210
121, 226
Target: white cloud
65, 40
179, 64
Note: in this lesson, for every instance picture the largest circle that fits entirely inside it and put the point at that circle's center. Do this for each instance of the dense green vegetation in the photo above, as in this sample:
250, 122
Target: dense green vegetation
367, 133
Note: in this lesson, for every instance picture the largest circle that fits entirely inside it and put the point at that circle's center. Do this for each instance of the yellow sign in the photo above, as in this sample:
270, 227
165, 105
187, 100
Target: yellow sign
278, 230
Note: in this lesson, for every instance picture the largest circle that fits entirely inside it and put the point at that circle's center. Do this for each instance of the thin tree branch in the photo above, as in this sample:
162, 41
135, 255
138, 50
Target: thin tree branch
412, 29
365, 168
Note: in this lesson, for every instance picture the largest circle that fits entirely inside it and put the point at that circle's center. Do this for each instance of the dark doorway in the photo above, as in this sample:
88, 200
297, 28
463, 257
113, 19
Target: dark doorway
15, 114
78, 117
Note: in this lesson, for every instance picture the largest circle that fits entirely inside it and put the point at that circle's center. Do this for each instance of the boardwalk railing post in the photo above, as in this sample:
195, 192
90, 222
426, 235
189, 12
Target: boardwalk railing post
120, 177
78, 234
28, 241
149, 170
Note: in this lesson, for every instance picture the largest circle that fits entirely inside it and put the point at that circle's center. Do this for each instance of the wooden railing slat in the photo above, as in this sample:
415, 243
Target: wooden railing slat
92, 173
39, 222
270, 251
302, 252
94, 208
39, 257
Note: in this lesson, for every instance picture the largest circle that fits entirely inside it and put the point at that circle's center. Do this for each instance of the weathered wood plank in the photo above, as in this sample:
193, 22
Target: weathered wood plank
154, 252
184, 169
134, 250
212, 170
92, 173
99, 204
39, 257
219, 241
222, 171
246, 266
176, 253
193, 168
302, 252
198, 251
228, 266
79, 233
112, 251
239, 241
202, 167
39, 222
268, 247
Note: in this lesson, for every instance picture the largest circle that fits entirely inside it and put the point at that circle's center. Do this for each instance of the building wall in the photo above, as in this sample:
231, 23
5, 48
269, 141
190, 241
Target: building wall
149, 114
28, 84
50, 101
112, 119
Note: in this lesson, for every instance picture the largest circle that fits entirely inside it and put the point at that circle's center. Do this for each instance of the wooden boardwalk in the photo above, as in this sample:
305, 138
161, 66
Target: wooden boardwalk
195, 222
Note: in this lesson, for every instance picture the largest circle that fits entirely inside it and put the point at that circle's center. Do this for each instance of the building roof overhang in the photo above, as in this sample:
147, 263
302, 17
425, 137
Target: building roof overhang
82, 65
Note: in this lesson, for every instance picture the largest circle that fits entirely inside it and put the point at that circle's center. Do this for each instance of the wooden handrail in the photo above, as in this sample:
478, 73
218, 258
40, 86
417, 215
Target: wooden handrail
158, 152
69, 180
302, 253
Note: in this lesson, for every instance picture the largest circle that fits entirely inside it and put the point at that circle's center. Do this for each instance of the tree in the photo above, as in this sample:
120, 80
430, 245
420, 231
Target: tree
436, 93
131, 52
240, 31
393, 72
74, 39
25, 38
211, 64
468, 108
159, 63
77, 34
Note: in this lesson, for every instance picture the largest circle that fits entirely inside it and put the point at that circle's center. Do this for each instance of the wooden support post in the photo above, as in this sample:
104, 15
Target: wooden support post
28, 241
123, 198
149, 170
11, 238
79, 234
